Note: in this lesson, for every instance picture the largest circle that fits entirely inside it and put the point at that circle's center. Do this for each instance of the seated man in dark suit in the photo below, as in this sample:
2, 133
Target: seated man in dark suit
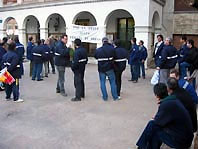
171, 125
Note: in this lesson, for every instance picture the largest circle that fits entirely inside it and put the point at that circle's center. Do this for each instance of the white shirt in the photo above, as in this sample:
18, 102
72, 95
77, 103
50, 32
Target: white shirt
157, 47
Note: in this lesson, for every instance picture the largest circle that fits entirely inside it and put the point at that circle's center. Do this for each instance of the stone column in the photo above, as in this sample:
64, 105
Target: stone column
19, 1
2, 33
1, 3
43, 33
22, 36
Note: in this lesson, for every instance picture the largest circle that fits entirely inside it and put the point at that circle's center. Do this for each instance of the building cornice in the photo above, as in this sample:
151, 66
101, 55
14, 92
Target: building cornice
161, 2
15, 7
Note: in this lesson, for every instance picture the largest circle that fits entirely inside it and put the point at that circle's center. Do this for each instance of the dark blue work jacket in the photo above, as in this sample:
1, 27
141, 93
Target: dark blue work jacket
38, 54
157, 55
134, 57
169, 57
11, 61
62, 57
183, 53
105, 56
2, 52
120, 59
79, 60
30, 46
175, 120
46, 52
20, 51
143, 53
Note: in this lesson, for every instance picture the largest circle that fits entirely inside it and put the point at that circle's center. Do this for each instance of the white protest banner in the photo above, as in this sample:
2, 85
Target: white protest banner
90, 34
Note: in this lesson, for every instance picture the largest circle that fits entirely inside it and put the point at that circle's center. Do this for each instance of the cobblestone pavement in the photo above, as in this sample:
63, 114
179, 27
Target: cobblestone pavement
47, 120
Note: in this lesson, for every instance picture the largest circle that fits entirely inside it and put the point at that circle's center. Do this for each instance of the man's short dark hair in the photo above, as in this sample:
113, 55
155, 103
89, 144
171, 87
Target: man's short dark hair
142, 42
39, 42
16, 39
172, 84
160, 36
160, 90
175, 71
117, 42
42, 41
30, 38
63, 36
77, 42
5, 39
184, 38
134, 39
12, 46
190, 41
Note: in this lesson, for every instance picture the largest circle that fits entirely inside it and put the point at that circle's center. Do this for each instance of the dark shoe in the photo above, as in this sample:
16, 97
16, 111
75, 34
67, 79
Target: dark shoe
53, 72
40, 80
46, 76
75, 99
135, 81
131, 80
33, 79
57, 91
64, 94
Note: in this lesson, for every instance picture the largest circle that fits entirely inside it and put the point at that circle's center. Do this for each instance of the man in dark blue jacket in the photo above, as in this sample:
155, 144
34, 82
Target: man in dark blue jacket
30, 46
105, 56
171, 125
158, 49
183, 54
119, 64
134, 61
38, 53
20, 51
168, 60
78, 67
46, 57
62, 59
11, 61
185, 85
2, 52
143, 57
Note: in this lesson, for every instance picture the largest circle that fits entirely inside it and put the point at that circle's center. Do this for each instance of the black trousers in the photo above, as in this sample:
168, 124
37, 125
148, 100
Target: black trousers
79, 84
51, 60
118, 75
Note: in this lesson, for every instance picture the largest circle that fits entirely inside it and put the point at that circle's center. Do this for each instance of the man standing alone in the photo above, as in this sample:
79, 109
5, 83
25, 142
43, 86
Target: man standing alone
78, 67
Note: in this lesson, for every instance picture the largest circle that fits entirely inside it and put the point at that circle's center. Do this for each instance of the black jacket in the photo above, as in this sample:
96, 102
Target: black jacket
105, 56
11, 61
188, 103
192, 58
175, 120
79, 60
169, 57
120, 59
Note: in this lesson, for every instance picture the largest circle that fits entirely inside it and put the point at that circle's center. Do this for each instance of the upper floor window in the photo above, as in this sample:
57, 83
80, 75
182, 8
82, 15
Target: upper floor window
184, 5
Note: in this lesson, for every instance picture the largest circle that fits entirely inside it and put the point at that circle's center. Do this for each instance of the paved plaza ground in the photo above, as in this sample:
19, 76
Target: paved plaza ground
46, 120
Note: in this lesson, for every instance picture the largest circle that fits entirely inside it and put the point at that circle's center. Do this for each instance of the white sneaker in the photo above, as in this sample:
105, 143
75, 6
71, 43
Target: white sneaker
19, 100
119, 98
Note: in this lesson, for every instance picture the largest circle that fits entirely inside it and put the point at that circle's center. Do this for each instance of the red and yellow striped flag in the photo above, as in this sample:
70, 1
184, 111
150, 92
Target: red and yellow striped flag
6, 77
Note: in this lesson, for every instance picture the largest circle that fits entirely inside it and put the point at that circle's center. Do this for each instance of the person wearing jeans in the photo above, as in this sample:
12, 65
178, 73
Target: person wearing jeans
105, 56
61, 79
38, 53
111, 77
143, 57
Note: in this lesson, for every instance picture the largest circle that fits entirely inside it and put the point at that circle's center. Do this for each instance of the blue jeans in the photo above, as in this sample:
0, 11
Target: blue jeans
183, 71
153, 136
13, 88
135, 70
37, 71
61, 79
142, 69
111, 76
